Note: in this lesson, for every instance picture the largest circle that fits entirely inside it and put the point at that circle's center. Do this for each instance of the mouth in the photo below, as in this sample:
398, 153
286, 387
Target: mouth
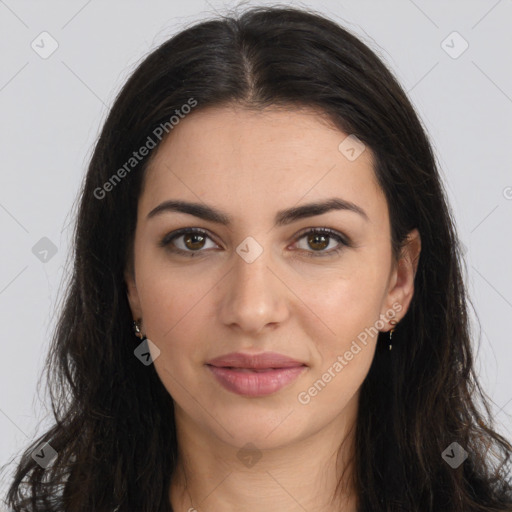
255, 382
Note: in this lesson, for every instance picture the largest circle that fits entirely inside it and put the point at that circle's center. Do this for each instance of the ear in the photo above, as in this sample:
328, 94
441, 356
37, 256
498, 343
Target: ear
132, 294
401, 283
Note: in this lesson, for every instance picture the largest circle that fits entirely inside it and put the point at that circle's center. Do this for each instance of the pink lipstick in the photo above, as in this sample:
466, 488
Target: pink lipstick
255, 375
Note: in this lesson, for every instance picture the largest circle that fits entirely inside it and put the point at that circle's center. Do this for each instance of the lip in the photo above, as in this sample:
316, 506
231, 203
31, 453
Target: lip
263, 361
255, 374
253, 383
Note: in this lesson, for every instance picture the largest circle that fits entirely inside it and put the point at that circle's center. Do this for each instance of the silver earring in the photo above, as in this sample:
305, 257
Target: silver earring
136, 329
393, 323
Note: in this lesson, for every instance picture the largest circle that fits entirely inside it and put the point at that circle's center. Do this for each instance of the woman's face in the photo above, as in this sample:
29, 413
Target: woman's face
262, 282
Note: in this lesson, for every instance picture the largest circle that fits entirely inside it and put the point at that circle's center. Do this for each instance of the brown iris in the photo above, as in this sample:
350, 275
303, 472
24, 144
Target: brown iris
314, 244
190, 236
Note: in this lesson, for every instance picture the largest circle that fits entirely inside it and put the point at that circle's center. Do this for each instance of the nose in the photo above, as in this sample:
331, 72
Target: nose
254, 295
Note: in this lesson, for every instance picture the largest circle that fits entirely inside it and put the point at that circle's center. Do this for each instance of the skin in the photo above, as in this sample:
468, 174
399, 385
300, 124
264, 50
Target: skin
251, 165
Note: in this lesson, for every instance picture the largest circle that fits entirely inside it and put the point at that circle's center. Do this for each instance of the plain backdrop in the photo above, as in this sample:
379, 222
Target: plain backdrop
52, 110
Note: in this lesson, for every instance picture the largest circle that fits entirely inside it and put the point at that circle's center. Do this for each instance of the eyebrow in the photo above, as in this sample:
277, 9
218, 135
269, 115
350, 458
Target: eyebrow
283, 217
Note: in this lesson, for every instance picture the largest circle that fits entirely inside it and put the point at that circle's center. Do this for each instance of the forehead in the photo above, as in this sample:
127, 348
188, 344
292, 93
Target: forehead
259, 159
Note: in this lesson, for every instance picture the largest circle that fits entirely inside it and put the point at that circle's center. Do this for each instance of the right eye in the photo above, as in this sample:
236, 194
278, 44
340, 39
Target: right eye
192, 241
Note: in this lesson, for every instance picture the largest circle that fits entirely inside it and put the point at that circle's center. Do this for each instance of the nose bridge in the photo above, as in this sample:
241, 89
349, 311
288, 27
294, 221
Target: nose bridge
252, 277
254, 296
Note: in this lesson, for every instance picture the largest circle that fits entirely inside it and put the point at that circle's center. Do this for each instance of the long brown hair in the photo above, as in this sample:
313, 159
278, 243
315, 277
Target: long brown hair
114, 420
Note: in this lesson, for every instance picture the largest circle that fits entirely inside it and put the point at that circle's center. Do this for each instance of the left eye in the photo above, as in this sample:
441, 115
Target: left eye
193, 240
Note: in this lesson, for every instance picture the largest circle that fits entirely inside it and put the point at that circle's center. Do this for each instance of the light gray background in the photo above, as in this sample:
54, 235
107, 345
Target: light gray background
52, 110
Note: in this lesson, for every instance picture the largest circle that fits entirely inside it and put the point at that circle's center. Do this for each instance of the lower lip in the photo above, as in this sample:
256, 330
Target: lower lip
250, 383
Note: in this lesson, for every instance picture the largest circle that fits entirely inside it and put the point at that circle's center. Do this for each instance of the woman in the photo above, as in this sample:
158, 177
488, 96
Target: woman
263, 209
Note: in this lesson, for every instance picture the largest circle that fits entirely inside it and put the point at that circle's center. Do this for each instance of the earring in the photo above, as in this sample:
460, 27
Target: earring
393, 323
136, 329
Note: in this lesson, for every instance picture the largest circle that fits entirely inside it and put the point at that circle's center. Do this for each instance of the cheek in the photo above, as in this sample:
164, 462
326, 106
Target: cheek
168, 297
174, 323
166, 306
343, 305
344, 329
344, 333
173, 313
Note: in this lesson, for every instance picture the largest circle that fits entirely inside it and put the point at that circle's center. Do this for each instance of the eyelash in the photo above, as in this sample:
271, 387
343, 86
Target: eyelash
166, 241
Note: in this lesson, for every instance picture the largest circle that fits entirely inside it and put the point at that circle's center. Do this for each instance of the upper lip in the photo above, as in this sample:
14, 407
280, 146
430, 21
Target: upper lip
257, 361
